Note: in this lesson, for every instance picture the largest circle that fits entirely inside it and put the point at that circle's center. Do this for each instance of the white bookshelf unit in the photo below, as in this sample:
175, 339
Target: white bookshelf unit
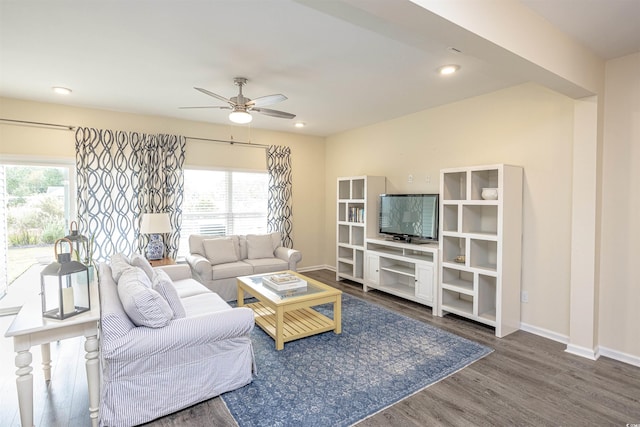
357, 219
481, 245
405, 270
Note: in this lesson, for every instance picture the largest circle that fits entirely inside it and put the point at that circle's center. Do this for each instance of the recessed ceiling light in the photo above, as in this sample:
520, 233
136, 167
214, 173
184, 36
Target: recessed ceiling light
299, 124
448, 69
61, 90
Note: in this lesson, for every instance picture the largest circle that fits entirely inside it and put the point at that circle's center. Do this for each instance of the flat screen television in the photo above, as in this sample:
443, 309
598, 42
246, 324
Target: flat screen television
409, 217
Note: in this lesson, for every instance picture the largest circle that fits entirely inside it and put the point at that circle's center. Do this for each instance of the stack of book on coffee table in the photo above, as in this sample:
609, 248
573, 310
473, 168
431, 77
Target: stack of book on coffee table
284, 282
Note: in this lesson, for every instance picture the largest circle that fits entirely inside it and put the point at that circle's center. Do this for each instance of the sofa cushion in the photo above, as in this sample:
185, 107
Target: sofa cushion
138, 260
143, 305
276, 239
119, 263
267, 265
189, 287
220, 251
231, 269
195, 244
204, 304
163, 284
259, 246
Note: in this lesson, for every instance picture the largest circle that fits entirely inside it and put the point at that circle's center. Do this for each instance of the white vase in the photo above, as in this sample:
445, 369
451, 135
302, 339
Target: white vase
490, 193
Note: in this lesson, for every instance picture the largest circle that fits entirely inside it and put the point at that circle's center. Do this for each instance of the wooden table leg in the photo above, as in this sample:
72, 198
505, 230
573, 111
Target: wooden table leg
240, 301
24, 384
279, 328
337, 314
93, 377
45, 349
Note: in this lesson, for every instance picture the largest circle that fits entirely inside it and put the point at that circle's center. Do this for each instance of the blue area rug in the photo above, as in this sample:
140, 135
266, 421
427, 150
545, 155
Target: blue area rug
380, 358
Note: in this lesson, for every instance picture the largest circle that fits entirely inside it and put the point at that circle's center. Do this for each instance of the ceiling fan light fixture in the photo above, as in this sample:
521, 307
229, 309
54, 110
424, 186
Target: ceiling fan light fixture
300, 124
240, 117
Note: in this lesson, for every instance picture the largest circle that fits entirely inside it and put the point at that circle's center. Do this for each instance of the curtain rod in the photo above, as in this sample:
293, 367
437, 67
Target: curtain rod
26, 122
229, 141
68, 127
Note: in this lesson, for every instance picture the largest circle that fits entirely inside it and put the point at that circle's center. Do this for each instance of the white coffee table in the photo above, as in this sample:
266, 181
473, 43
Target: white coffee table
29, 328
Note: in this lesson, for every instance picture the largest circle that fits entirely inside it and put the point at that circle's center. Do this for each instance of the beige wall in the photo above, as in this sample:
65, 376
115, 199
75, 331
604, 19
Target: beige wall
17, 141
526, 125
619, 278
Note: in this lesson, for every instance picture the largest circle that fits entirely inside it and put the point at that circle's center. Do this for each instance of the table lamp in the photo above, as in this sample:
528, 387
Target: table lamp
155, 224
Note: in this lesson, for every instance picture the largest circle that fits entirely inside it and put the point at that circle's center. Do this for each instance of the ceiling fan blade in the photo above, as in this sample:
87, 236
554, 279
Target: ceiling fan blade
274, 113
215, 95
213, 106
266, 100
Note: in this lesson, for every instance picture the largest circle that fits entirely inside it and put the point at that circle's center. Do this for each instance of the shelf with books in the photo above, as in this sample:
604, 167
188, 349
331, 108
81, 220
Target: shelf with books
357, 212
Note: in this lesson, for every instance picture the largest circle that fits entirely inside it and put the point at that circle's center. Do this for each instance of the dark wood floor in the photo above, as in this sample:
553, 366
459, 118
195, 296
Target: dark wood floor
526, 381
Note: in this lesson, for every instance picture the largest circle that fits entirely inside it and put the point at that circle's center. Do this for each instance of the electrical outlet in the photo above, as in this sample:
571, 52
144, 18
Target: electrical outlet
410, 179
524, 296
428, 179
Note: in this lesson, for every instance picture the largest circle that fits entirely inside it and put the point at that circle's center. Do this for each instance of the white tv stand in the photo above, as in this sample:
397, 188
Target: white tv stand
406, 270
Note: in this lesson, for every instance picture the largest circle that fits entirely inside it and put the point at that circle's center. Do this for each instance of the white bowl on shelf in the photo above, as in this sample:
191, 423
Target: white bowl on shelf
490, 193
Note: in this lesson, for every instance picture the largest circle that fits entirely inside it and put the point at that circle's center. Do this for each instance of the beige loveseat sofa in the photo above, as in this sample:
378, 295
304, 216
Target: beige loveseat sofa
166, 342
216, 261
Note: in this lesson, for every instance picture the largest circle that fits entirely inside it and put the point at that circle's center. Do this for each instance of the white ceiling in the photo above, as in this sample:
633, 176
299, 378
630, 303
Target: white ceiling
341, 64
609, 28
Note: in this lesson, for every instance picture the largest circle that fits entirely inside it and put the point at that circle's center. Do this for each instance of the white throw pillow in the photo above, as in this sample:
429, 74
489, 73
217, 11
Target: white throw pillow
259, 246
143, 305
119, 263
276, 239
164, 286
138, 260
220, 251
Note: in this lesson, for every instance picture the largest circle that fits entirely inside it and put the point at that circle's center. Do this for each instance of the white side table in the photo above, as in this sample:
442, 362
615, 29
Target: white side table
29, 328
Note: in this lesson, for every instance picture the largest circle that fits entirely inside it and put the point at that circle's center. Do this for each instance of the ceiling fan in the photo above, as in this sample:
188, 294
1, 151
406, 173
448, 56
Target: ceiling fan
240, 105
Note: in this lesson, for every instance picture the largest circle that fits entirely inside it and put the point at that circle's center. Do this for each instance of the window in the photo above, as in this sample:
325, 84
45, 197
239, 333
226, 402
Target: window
35, 210
222, 203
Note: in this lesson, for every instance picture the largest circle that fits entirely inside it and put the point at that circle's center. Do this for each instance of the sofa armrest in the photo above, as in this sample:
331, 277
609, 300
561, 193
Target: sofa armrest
177, 271
292, 256
180, 333
200, 265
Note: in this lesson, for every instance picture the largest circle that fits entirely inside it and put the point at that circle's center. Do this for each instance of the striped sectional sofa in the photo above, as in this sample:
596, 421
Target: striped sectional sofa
166, 342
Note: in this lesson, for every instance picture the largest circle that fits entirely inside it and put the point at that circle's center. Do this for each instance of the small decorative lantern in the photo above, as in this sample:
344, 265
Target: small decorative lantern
64, 286
79, 240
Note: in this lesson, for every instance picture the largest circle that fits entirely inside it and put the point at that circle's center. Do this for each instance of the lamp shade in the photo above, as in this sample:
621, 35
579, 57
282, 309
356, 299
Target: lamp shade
153, 223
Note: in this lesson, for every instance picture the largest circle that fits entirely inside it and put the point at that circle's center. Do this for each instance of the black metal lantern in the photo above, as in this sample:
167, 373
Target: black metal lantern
64, 286
79, 240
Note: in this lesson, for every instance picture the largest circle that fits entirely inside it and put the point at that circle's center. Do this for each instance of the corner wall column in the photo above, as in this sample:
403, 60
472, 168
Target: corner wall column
583, 315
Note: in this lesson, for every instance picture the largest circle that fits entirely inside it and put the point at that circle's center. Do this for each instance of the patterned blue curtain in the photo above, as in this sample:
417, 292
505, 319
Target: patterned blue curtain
280, 184
122, 175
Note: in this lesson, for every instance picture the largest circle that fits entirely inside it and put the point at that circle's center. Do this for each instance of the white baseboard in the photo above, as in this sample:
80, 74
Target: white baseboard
316, 267
581, 351
554, 336
620, 356
588, 353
